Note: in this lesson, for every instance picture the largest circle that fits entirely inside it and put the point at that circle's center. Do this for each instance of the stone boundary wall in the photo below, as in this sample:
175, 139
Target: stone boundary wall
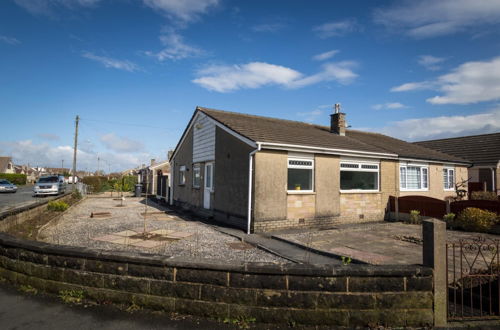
23, 213
351, 295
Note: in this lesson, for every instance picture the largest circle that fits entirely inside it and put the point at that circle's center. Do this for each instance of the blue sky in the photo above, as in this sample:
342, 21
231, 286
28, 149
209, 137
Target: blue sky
135, 70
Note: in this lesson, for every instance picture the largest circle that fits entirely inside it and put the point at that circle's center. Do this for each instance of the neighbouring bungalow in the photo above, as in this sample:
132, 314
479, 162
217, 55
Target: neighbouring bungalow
483, 151
262, 174
154, 179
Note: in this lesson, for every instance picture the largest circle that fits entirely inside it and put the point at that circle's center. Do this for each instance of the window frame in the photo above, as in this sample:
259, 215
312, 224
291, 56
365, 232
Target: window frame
197, 168
449, 169
359, 168
422, 167
303, 167
182, 175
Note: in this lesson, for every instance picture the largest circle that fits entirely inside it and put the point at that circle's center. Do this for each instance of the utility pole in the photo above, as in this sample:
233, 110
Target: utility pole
74, 151
98, 159
62, 164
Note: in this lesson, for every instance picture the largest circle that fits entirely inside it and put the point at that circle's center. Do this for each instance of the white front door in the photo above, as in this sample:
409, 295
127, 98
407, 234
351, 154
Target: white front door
209, 184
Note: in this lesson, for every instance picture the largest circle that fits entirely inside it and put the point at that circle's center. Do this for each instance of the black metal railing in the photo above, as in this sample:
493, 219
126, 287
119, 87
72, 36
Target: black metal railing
473, 278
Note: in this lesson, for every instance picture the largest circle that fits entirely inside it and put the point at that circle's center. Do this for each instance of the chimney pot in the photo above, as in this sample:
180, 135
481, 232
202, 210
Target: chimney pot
337, 121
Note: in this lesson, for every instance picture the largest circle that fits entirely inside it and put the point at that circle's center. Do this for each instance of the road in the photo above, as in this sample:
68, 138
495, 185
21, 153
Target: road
22, 311
23, 197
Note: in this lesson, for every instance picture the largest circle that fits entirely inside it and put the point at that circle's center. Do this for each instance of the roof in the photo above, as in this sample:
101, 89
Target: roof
479, 149
4, 161
273, 130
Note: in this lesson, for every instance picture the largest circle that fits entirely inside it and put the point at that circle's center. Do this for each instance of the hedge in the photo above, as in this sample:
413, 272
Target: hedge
17, 179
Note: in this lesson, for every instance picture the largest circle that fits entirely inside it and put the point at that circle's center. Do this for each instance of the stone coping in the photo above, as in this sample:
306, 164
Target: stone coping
9, 241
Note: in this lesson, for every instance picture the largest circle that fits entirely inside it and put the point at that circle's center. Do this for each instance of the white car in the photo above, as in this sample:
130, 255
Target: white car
50, 185
6, 186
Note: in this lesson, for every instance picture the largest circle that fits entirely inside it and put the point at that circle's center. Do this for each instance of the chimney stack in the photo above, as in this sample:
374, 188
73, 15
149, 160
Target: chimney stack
337, 121
153, 161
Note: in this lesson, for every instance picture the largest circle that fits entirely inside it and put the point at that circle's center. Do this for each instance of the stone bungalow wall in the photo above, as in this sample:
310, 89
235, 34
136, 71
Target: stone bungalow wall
21, 214
352, 295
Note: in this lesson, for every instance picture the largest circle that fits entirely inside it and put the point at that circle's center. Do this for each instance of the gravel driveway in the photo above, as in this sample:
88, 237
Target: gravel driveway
77, 228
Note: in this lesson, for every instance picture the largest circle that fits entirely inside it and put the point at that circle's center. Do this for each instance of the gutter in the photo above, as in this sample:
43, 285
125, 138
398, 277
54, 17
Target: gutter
250, 186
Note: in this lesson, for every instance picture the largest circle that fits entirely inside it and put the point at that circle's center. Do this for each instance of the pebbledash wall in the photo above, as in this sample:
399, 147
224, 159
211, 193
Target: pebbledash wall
351, 295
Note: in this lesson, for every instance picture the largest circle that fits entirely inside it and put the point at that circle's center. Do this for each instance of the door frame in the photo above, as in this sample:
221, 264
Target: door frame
208, 190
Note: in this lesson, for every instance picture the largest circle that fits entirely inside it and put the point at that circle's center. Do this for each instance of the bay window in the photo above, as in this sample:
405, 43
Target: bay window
300, 174
413, 177
359, 176
449, 178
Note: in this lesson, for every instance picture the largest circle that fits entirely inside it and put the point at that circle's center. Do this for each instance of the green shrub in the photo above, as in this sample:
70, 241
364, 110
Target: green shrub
474, 219
58, 206
17, 179
449, 218
484, 195
95, 182
415, 217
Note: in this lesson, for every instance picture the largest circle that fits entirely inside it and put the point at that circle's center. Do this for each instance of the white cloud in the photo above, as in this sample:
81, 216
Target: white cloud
121, 144
471, 82
175, 47
45, 155
430, 62
389, 105
431, 18
445, 126
336, 29
9, 40
325, 55
270, 27
226, 78
413, 86
109, 62
47, 7
184, 10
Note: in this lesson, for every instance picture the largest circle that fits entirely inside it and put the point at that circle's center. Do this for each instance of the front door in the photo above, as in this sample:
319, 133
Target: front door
209, 184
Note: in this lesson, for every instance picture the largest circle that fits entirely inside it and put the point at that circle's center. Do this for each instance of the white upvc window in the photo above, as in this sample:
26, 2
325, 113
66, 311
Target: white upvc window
196, 175
449, 178
359, 176
300, 174
182, 175
413, 177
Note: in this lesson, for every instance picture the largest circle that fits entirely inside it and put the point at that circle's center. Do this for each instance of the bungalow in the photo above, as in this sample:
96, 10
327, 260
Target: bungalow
154, 178
483, 151
263, 174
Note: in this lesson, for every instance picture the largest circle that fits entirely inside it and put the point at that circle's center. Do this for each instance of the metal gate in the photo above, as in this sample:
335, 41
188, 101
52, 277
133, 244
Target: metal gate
473, 279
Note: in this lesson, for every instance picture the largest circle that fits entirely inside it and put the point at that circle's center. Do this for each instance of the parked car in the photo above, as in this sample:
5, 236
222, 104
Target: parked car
50, 185
7, 186
72, 179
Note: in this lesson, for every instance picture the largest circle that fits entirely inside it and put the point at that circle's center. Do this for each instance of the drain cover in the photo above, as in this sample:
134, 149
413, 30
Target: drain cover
100, 214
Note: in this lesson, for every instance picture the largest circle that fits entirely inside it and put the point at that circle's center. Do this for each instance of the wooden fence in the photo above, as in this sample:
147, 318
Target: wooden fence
437, 208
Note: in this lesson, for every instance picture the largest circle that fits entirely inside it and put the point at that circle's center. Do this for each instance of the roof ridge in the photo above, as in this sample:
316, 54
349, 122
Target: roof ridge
257, 116
458, 137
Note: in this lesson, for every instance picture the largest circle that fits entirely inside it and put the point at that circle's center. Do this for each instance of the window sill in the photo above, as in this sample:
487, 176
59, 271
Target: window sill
449, 189
413, 190
300, 192
359, 191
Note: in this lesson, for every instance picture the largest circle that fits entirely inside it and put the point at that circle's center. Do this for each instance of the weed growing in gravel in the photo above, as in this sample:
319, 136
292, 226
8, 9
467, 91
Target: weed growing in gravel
133, 308
346, 260
72, 296
28, 289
